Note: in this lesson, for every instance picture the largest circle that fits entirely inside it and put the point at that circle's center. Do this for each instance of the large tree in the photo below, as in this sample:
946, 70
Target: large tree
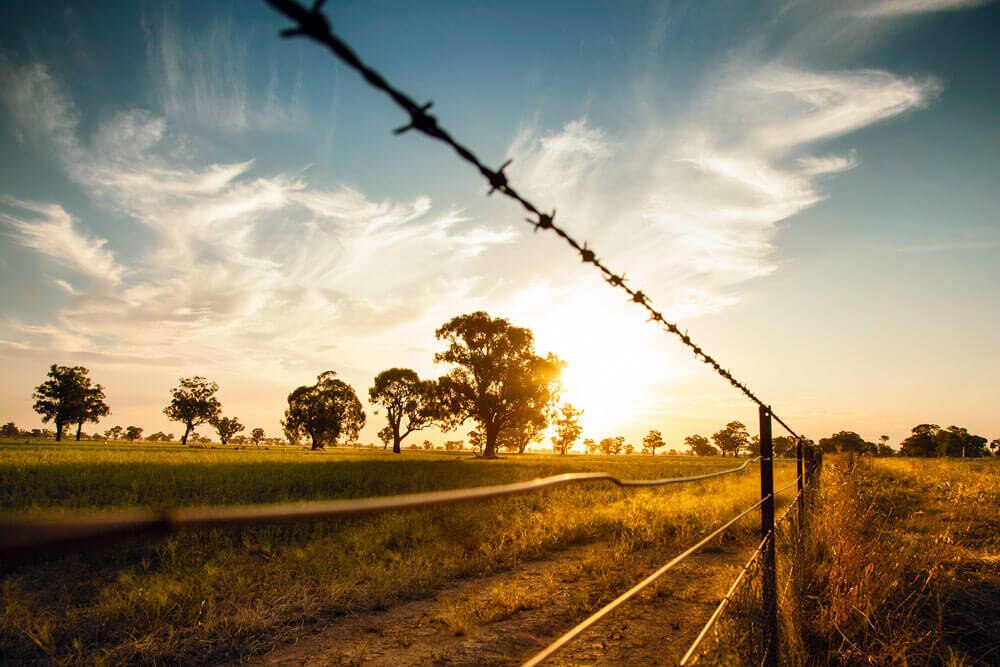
68, 397
133, 433
732, 439
568, 429
193, 403
408, 402
324, 411
700, 446
922, 441
497, 380
957, 441
227, 427
652, 441
847, 441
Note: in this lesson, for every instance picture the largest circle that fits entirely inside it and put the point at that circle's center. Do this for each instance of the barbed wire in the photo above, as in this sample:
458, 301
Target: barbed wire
312, 23
19, 536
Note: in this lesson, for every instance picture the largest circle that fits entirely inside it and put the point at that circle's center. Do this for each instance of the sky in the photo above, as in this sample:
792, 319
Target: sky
807, 188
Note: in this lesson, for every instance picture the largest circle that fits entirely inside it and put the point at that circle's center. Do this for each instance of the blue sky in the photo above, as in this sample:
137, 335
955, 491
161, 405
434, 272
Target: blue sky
808, 187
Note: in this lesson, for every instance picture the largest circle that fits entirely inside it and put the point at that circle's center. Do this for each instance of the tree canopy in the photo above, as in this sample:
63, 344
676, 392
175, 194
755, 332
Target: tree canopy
497, 380
700, 446
652, 441
68, 397
732, 439
227, 427
324, 411
567, 427
408, 402
193, 403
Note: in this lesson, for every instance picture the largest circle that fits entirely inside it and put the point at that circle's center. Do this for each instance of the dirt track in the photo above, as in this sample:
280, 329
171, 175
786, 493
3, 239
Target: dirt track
506, 618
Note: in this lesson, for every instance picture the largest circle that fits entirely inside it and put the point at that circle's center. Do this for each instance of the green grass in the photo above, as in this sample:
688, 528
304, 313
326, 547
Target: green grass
223, 594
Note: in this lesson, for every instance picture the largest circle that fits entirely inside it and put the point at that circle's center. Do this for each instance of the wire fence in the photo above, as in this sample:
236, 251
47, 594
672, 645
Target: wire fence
20, 537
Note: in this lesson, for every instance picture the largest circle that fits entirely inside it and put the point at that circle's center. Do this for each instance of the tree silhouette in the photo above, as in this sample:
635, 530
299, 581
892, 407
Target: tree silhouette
700, 446
732, 439
257, 436
497, 380
568, 429
652, 441
404, 397
10, 430
133, 433
227, 427
324, 411
68, 397
590, 445
193, 403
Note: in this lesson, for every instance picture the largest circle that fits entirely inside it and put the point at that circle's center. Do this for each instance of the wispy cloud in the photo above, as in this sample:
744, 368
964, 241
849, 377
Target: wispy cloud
49, 230
947, 246
893, 8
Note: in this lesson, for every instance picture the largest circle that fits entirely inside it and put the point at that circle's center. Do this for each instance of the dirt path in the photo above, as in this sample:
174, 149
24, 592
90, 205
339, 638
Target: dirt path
506, 618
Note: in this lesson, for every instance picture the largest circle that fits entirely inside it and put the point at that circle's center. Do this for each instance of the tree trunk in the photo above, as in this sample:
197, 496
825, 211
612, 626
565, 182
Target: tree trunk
316, 443
59, 428
490, 448
396, 441
79, 427
187, 431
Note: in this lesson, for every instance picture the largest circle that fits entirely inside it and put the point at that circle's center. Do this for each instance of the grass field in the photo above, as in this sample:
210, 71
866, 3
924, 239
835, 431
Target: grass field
229, 594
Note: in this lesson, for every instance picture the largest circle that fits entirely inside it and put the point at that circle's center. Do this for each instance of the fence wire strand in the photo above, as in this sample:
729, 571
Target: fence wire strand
312, 23
18, 535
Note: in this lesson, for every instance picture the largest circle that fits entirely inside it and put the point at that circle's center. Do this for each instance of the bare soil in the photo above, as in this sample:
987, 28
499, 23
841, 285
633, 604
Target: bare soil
506, 618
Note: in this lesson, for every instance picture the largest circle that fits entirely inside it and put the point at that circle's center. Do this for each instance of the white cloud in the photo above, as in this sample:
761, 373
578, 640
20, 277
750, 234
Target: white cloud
892, 8
40, 110
49, 230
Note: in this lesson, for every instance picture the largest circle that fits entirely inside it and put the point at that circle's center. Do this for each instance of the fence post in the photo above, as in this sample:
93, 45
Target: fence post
769, 582
800, 483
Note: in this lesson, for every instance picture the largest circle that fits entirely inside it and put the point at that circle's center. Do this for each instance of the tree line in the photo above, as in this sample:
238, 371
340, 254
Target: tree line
496, 381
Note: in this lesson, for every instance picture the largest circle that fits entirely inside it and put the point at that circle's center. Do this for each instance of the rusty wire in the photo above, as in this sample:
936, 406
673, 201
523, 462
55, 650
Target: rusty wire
21, 535
313, 23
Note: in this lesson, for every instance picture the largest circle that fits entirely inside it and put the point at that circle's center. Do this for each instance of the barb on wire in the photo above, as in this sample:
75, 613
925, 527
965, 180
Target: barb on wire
18, 536
555, 646
312, 23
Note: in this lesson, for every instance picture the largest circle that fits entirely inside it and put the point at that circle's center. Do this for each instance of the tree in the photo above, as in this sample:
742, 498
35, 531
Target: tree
114, 433
957, 441
518, 437
994, 445
227, 427
700, 446
193, 403
385, 435
922, 441
68, 397
629, 449
568, 429
845, 441
590, 446
611, 446
784, 445
405, 397
324, 411
133, 433
497, 380
453, 445
428, 445
9, 430
883, 446
652, 441
160, 436
257, 436
732, 439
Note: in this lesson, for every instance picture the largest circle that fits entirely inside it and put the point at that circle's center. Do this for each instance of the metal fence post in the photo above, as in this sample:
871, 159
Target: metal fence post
800, 483
769, 582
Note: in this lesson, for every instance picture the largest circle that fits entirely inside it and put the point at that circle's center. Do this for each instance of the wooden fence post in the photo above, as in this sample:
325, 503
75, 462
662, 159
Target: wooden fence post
769, 584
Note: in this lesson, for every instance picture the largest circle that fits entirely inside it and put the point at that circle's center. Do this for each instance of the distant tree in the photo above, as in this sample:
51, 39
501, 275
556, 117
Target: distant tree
193, 403
995, 445
68, 397
114, 433
159, 436
732, 439
385, 435
672, 452
409, 402
133, 433
613, 445
227, 427
629, 449
257, 436
590, 446
169, 438
239, 440
476, 441
922, 441
958, 442
325, 411
428, 445
497, 380
518, 437
413, 445
567, 427
883, 446
845, 441
700, 446
9, 430
784, 445
652, 441
453, 445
